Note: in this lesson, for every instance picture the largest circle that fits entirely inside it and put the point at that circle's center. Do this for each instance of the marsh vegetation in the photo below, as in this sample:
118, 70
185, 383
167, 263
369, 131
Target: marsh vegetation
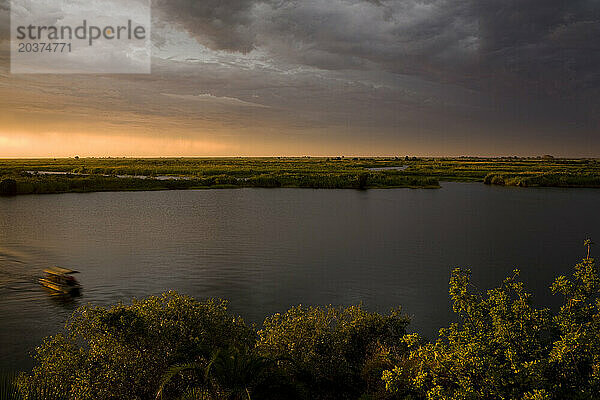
114, 174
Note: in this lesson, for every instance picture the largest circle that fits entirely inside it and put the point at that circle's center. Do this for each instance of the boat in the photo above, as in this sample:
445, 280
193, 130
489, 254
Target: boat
61, 281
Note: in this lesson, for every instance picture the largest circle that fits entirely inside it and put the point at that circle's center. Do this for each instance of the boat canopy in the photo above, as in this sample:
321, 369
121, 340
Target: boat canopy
59, 271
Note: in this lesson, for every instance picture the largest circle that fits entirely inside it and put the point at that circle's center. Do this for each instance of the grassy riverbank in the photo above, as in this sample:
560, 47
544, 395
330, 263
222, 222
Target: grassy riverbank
115, 174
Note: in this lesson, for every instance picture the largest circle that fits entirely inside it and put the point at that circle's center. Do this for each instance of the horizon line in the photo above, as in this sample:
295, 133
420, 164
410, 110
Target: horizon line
541, 157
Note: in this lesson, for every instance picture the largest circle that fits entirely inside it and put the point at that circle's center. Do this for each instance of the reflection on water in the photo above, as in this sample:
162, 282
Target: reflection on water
268, 249
65, 299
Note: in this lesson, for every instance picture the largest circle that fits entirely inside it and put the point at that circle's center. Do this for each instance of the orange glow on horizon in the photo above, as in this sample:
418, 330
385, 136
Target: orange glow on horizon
26, 145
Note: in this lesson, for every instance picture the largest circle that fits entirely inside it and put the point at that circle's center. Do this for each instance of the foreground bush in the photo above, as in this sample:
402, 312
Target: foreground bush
180, 347
121, 352
504, 348
332, 352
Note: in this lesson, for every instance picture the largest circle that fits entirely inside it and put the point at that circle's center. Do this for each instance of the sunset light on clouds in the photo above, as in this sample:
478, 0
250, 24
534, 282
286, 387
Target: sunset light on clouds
317, 77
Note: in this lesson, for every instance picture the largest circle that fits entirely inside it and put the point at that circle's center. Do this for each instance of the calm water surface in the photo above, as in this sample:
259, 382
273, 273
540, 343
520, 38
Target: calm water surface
268, 249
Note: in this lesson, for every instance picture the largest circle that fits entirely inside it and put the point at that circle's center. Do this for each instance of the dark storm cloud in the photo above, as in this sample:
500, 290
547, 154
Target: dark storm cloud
551, 46
553, 43
220, 24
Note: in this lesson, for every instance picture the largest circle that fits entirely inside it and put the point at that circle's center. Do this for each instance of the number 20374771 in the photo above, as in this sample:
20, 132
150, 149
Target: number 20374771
44, 47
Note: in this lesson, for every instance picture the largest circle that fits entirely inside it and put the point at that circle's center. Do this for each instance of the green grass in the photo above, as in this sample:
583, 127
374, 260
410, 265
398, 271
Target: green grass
100, 174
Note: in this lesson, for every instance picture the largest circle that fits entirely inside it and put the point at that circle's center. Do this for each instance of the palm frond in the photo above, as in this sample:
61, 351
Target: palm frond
172, 372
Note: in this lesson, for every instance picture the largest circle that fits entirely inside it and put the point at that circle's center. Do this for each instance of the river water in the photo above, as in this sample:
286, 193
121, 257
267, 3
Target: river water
268, 249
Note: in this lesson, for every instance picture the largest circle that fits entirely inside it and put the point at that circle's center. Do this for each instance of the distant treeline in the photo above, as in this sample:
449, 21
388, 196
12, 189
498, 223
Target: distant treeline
175, 347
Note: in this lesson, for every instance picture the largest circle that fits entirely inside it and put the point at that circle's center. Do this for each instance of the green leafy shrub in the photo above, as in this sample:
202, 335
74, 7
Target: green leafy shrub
504, 348
120, 352
329, 349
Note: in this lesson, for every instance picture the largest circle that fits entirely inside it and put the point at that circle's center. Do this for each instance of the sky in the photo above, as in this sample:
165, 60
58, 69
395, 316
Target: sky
327, 77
